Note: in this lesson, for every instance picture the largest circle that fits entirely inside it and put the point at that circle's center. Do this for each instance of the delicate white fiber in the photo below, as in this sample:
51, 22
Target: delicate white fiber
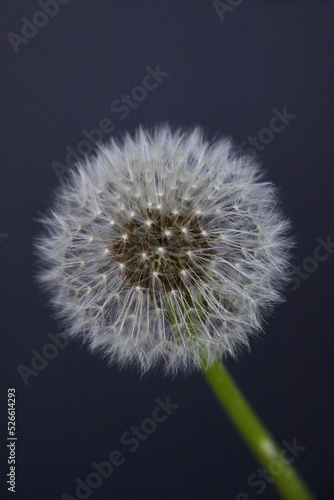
165, 249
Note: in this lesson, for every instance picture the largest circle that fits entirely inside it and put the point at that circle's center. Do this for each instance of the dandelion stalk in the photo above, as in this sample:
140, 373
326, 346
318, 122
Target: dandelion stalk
263, 446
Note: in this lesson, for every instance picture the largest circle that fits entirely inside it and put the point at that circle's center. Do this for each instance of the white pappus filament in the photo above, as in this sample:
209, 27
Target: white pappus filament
165, 249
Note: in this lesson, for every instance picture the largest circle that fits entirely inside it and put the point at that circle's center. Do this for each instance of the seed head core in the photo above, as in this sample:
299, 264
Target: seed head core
152, 250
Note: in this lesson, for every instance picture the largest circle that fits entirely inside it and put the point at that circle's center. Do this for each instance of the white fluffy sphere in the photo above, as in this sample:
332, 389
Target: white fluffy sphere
165, 249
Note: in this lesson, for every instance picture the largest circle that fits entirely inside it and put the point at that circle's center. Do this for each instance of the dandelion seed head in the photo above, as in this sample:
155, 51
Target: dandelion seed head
164, 249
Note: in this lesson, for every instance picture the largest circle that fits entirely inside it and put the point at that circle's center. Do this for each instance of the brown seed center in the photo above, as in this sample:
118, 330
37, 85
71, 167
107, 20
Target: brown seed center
159, 249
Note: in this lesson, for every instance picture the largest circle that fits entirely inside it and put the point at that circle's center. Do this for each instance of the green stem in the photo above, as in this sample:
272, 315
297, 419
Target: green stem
286, 479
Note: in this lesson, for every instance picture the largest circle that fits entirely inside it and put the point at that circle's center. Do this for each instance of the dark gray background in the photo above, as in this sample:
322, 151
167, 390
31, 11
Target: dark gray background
227, 76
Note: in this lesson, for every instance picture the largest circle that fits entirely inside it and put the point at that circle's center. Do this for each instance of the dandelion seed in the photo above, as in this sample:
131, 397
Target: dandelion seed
216, 272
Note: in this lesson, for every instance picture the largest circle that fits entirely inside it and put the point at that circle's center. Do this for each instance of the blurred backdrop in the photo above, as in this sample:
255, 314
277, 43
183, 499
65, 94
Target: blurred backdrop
75, 73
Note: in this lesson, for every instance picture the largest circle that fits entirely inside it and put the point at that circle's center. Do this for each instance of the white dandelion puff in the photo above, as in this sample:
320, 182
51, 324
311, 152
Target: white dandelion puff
165, 249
